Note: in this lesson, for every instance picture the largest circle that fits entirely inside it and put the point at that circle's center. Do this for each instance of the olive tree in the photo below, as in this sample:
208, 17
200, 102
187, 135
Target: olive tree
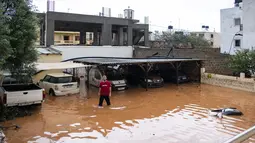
18, 24
17, 36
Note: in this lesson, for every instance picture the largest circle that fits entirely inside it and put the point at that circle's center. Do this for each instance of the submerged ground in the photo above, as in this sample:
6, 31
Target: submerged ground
170, 114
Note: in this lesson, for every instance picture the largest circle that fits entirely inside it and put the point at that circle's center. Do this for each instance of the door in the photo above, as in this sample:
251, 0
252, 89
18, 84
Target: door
45, 83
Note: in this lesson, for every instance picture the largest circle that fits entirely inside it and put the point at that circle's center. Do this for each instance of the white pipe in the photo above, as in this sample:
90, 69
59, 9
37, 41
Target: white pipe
242, 136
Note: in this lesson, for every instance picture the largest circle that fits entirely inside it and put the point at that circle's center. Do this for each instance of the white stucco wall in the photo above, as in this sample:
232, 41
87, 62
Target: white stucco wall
249, 23
228, 28
69, 52
207, 35
216, 40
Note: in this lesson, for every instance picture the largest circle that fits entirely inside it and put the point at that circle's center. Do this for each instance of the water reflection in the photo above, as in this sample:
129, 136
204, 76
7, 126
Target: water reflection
169, 114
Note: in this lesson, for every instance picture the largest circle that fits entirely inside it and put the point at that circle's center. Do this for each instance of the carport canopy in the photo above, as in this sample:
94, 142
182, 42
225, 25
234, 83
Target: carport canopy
60, 65
121, 61
104, 61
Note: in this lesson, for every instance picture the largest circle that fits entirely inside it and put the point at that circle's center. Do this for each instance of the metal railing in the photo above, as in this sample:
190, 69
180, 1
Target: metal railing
242, 136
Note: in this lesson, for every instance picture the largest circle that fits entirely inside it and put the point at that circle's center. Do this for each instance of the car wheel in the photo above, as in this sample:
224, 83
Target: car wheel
52, 93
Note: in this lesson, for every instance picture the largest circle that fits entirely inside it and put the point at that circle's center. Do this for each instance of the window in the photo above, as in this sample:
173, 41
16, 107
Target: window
237, 21
241, 27
47, 78
77, 38
211, 35
9, 80
238, 43
113, 74
90, 36
66, 38
211, 43
97, 75
201, 35
64, 79
53, 80
193, 34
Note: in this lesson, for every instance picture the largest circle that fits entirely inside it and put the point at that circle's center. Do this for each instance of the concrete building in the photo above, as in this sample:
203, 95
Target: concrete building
66, 38
212, 37
49, 55
231, 27
249, 24
106, 30
238, 26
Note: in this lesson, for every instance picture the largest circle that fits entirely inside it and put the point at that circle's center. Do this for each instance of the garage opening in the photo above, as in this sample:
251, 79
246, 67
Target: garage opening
151, 72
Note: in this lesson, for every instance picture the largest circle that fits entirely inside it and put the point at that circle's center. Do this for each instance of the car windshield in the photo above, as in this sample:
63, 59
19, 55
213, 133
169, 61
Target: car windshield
113, 74
17, 79
64, 79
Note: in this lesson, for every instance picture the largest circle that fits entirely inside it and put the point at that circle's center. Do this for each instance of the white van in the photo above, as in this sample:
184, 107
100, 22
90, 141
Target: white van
113, 75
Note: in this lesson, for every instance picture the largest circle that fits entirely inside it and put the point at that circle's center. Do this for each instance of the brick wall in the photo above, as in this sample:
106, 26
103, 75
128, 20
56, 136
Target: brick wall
214, 61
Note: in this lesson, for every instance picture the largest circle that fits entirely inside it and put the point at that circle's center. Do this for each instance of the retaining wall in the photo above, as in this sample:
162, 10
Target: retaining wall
245, 84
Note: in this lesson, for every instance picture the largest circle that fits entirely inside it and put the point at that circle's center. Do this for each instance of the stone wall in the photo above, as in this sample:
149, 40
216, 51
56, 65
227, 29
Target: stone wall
244, 84
213, 60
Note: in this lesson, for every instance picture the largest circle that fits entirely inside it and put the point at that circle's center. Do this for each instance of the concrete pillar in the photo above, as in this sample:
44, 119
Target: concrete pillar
106, 34
82, 41
202, 70
85, 37
95, 37
50, 27
130, 35
120, 36
242, 75
42, 34
146, 37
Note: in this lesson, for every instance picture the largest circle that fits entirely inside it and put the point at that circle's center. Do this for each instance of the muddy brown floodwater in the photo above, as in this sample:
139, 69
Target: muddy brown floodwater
170, 114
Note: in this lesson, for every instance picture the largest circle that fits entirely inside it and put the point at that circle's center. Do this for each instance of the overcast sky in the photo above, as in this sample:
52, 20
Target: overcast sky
192, 13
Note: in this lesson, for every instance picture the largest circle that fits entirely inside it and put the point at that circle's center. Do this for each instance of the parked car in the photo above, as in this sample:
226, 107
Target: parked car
59, 84
113, 75
19, 91
170, 76
153, 81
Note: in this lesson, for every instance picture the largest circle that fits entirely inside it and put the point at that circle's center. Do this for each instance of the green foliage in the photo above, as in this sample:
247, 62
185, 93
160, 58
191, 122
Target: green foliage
5, 49
18, 35
243, 61
209, 76
180, 39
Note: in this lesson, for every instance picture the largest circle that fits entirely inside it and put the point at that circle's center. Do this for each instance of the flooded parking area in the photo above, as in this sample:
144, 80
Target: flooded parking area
169, 114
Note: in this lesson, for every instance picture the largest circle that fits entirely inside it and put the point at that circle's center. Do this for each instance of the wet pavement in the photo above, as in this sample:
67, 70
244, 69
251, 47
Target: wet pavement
169, 114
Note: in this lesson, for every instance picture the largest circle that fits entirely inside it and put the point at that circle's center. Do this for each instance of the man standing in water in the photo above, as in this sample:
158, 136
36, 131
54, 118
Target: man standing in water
105, 91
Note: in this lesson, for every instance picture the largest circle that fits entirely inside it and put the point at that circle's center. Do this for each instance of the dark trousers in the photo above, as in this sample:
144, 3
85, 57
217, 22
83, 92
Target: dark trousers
102, 98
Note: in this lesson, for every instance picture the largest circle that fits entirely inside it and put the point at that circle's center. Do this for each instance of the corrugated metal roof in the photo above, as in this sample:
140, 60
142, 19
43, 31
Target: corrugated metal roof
48, 51
109, 61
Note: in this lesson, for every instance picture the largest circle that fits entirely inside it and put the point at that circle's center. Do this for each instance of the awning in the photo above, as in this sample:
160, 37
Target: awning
61, 65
